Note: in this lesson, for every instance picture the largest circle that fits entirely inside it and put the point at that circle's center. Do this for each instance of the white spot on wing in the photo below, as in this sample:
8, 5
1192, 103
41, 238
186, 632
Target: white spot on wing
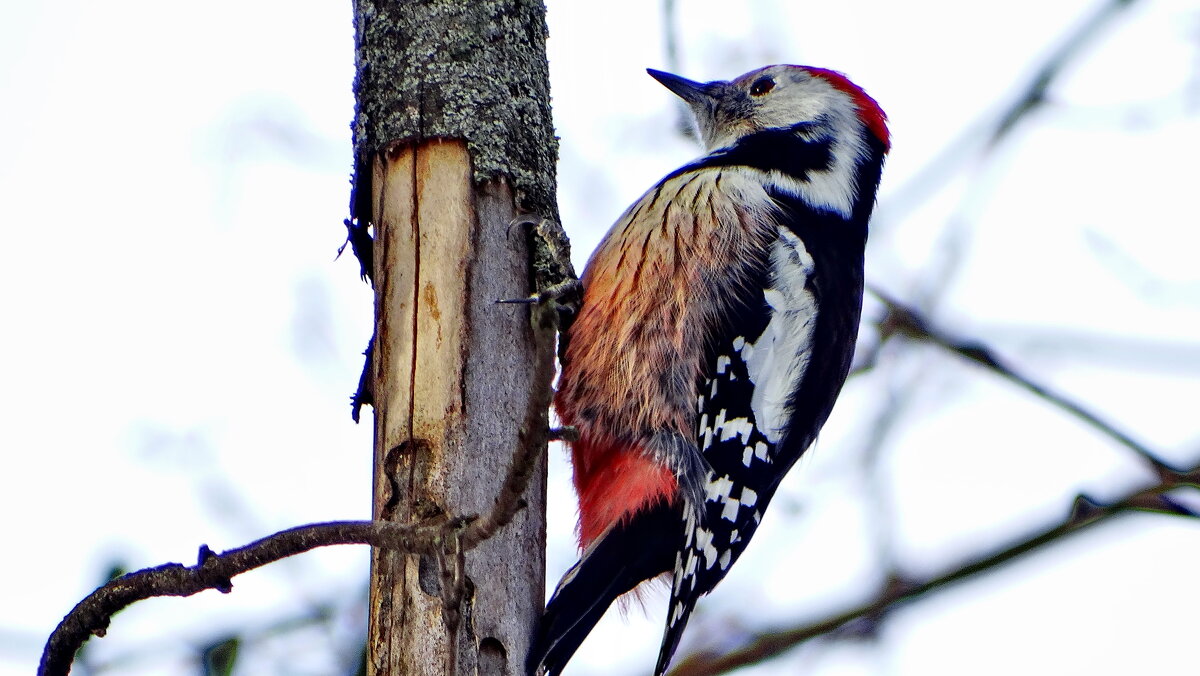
704, 544
731, 510
719, 423
737, 427
749, 496
689, 526
719, 489
748, 357
760, 450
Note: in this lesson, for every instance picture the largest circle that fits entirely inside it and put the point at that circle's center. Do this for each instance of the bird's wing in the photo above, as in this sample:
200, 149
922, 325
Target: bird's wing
776, 363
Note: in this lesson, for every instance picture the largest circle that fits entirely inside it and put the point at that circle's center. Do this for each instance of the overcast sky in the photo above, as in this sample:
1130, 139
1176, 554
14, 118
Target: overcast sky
180, 344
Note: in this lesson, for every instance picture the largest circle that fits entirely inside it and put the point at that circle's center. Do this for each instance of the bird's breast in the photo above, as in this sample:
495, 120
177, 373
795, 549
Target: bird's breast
654, 290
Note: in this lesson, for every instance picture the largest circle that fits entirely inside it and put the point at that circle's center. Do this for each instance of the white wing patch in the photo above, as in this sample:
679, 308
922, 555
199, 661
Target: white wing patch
777, 361
720, 491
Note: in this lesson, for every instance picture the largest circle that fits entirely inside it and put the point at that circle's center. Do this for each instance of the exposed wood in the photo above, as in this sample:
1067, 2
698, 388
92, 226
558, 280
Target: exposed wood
452, 380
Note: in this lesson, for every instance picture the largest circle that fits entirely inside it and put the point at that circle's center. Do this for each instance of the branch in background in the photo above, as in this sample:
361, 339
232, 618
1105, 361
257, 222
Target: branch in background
445, 537
670, 18
987, 132
876, 491
1035, 92
862, 618
905, 320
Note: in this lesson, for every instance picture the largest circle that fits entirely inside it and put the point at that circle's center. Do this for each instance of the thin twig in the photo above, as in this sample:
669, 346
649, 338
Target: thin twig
905, 320
1035, 92
984, 134
1085, 514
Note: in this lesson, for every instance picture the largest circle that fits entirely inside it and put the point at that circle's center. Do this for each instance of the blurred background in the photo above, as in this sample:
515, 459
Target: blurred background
181, 343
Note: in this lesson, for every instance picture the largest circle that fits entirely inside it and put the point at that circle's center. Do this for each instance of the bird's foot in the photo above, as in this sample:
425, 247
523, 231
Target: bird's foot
563, 296
551, 293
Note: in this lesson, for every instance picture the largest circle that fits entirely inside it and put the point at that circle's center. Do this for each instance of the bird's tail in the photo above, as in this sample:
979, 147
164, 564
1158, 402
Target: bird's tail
615, 563
678, 614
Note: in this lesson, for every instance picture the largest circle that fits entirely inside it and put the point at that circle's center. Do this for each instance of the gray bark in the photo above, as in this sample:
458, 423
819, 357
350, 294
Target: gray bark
470, 70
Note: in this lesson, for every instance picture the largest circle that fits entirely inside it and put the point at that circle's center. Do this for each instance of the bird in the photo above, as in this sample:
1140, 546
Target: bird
717, 326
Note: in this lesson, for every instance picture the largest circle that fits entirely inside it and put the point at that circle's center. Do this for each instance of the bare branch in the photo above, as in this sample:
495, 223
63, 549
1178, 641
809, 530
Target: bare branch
215, 571
448, 537
1084, 514
902, 319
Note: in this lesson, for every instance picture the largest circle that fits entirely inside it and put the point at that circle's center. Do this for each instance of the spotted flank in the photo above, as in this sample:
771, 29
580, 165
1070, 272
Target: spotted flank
741, 479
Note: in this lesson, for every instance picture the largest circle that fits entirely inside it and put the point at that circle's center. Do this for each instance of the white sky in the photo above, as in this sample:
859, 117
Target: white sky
180, 344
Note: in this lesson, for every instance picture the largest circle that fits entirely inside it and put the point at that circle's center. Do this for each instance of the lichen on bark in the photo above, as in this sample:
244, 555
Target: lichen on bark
457, 69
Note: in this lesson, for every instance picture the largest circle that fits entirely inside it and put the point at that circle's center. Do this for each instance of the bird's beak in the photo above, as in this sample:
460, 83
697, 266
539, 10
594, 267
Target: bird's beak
694, 93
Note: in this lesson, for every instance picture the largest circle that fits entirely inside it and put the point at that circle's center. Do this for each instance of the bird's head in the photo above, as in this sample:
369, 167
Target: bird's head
776, 97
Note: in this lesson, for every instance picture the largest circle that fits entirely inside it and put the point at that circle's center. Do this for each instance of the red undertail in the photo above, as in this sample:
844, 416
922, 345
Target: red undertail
615, 481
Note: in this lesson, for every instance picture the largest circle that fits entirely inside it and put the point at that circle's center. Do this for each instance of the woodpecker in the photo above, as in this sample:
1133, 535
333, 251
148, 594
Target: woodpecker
717, 327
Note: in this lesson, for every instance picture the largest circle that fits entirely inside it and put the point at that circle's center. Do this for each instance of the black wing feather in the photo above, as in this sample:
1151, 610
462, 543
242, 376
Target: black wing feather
620, 560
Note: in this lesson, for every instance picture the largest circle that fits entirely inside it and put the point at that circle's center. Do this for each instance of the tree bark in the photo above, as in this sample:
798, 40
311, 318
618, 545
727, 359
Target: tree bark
452, 139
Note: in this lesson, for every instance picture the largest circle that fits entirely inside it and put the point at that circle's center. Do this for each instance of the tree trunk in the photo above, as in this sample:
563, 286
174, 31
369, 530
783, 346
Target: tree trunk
452, 138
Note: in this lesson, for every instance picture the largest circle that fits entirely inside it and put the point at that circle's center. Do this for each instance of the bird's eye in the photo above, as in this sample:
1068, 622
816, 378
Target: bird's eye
761, 86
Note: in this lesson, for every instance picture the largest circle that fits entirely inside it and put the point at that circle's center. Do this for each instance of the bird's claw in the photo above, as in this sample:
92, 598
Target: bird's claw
564, 433
549, 294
